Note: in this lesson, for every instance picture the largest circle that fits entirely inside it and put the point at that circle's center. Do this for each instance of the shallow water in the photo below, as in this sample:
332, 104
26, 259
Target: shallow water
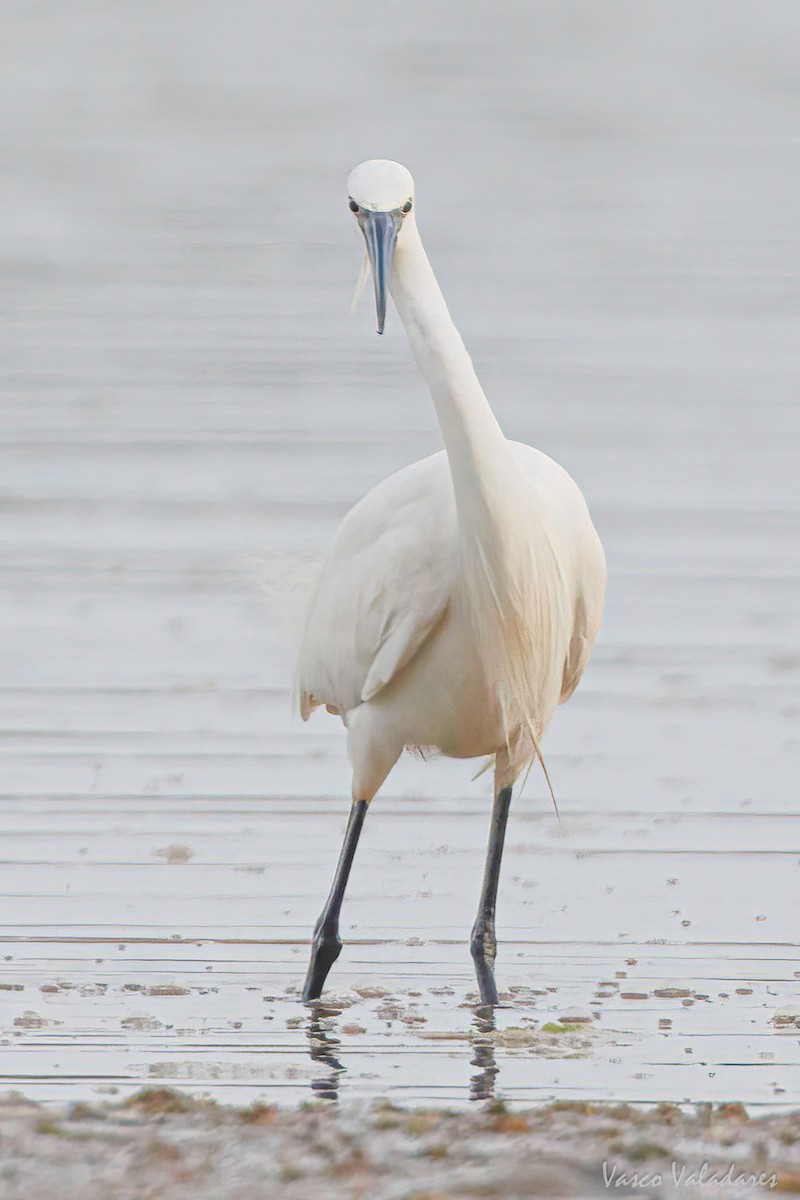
610, 196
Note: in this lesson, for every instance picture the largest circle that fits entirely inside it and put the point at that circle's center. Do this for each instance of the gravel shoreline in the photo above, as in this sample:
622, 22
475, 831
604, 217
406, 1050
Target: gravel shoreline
164, 1145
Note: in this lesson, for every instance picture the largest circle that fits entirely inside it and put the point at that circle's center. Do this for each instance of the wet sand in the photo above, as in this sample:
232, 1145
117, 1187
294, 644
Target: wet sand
609, 196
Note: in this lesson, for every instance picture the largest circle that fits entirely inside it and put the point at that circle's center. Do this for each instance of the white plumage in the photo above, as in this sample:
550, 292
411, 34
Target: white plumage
394, 636
461, 596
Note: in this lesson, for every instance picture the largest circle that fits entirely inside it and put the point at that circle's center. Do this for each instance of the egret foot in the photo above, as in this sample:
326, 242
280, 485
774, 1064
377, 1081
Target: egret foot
325, 949
326, 945
483, 948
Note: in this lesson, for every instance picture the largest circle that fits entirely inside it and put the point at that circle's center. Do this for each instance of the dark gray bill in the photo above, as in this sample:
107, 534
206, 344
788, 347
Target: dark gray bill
380, 234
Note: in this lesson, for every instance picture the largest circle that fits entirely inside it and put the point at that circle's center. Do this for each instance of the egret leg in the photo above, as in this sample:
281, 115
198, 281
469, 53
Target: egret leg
483, 943
326, 944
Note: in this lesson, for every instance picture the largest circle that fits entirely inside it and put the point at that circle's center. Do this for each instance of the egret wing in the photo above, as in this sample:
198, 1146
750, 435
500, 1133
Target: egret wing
576, 561
383, 589
588, 614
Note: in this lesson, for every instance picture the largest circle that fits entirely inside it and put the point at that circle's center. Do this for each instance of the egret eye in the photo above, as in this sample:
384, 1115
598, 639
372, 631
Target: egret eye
406, 207
354, 207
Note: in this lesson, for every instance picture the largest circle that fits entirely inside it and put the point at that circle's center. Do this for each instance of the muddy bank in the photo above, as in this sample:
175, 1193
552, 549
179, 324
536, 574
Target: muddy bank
162, 1144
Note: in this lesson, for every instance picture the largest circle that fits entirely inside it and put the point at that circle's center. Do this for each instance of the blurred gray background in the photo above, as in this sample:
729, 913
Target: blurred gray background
609, 193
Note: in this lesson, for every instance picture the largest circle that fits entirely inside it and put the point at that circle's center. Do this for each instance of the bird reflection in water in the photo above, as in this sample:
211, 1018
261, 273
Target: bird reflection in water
482, 1084
323, 1049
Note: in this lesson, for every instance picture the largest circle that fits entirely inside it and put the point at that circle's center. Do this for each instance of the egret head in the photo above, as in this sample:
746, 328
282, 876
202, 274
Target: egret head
381, 195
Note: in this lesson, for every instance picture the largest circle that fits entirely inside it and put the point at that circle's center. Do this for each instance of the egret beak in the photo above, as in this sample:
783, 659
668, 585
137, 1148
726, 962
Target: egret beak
380, 231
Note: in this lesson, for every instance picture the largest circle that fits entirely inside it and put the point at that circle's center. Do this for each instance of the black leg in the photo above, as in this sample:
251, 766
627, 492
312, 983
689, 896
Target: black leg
483, 943
326, 944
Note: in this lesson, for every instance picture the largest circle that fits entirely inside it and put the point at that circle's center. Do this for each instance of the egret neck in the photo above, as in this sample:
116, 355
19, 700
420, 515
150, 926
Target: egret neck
477, 451
497, 574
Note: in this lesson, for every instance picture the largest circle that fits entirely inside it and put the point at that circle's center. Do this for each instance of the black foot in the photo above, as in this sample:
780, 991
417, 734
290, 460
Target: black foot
483, 949
325, 949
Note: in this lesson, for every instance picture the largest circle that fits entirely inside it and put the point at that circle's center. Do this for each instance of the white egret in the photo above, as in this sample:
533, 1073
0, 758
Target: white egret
460, 599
